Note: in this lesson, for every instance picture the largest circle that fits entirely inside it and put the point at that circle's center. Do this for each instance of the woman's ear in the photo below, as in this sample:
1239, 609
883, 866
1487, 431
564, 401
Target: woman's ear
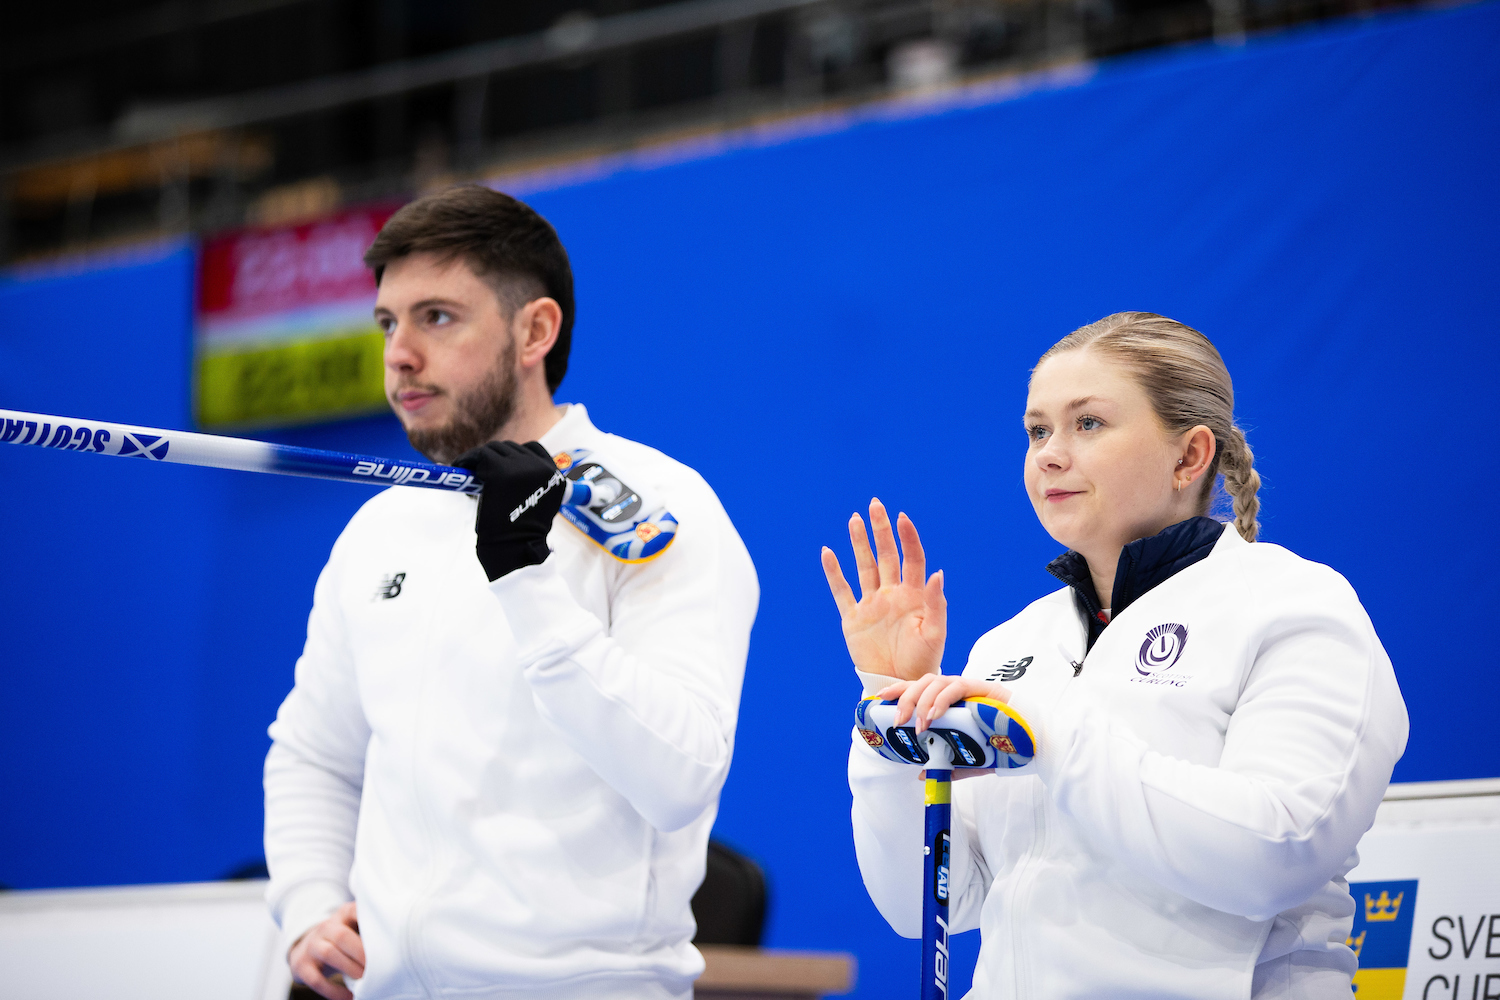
1198, 448
536, 326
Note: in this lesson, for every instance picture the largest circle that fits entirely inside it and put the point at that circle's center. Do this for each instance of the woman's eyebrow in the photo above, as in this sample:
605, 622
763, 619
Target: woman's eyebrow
1076, 404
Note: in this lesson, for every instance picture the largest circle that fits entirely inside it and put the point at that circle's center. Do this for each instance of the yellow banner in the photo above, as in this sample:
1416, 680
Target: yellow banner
1379, 984
297, 382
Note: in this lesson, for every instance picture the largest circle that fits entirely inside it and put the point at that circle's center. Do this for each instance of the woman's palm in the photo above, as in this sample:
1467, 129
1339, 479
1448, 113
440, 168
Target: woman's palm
899, 624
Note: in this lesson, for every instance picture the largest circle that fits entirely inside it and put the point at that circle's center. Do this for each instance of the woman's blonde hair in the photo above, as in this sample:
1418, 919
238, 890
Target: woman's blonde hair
1187, 383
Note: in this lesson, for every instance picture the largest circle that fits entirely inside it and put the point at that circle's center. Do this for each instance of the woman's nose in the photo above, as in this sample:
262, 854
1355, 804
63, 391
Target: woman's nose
1051, 455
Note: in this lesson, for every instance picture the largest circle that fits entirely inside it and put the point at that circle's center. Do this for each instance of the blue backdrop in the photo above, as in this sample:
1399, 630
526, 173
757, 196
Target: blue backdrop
809, 320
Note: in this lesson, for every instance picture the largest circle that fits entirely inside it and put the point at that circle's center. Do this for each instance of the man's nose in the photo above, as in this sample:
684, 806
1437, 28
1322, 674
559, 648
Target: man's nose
402, 351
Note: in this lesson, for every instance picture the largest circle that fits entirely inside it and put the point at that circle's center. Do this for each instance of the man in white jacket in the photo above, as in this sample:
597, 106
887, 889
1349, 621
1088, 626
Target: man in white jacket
495, 776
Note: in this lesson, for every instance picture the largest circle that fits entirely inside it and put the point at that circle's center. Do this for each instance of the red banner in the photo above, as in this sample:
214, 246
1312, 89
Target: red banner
285, 333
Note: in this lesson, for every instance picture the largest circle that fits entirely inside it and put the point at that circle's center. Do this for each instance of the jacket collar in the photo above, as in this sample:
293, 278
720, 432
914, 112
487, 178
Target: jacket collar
1144, 563
573, 430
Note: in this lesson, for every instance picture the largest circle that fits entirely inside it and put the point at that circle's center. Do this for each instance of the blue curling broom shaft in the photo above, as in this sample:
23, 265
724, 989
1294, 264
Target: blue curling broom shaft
156, 444
937, 814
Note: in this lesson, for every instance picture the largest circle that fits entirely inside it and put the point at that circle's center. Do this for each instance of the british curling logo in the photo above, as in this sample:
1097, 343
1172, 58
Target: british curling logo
1162, 649
1158, 654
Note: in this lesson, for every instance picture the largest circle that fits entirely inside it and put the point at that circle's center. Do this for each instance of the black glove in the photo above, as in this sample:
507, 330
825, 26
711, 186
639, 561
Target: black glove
523, 492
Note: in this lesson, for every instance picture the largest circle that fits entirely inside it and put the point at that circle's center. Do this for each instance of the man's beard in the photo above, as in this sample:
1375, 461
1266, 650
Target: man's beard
477, 415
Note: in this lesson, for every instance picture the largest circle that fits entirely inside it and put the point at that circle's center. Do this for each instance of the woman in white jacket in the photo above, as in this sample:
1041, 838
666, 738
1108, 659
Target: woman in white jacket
1216, 719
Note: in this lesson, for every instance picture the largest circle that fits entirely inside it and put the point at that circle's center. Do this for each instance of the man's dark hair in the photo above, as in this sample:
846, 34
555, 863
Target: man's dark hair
503, 240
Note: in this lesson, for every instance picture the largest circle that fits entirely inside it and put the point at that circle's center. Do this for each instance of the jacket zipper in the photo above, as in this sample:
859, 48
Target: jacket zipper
1093, 612
1024, 881
415, 952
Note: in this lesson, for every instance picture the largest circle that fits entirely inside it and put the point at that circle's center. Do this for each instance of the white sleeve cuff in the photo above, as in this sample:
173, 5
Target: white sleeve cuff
306, 906
874, 683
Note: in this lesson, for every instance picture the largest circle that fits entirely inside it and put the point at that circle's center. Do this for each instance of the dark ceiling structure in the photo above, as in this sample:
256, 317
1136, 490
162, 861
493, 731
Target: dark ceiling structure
131, 119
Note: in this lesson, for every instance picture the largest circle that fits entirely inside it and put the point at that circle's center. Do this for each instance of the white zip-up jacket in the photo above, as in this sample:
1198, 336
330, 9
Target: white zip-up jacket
515, 780
1201, 782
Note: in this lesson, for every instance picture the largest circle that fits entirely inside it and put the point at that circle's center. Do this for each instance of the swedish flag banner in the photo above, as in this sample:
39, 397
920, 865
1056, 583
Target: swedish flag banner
1381, 938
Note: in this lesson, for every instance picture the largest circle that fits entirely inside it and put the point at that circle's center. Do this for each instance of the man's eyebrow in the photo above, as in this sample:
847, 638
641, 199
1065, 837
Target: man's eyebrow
435, 301
425, 304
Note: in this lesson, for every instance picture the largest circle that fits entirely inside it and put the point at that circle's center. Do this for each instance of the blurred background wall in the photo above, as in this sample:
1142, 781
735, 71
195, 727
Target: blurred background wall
811, 312
120, 118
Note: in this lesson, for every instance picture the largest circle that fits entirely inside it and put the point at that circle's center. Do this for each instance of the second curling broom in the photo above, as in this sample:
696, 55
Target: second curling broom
975, 732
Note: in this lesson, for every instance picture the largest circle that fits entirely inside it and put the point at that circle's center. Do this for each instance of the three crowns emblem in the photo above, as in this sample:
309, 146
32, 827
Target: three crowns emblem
1383, 909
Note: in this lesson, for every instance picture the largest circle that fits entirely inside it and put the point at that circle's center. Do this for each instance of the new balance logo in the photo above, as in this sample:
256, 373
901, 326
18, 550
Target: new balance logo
1012, 671
390, 587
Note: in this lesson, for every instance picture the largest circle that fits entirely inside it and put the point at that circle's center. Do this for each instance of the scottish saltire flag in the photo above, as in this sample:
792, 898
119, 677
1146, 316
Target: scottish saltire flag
1381, 938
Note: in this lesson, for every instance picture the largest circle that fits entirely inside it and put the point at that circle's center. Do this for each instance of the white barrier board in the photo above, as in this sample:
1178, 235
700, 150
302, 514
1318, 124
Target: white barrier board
152, 942
1427, 894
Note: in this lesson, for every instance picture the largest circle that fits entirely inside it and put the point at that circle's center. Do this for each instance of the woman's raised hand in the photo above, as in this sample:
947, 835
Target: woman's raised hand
900, 622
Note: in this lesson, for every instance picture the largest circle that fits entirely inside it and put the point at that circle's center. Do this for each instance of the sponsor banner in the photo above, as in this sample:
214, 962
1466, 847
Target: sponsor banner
284, 332
1427, 895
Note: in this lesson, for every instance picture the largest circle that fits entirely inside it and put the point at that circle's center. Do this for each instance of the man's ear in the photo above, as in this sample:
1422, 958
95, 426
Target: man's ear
535, 327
